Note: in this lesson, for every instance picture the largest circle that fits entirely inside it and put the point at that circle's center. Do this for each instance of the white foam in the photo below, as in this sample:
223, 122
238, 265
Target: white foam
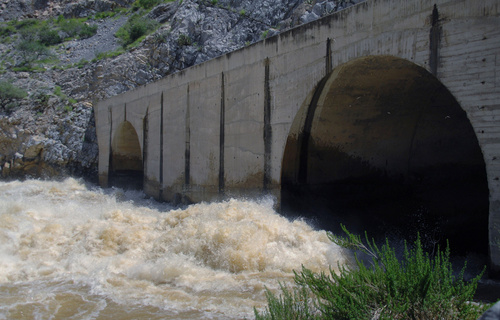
209, 259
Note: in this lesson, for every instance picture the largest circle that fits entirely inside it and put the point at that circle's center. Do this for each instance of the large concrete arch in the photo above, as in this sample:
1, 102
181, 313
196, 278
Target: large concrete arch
381, 144
220, 128
126, 157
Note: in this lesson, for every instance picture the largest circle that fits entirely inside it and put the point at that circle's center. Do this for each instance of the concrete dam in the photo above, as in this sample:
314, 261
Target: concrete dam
383, 116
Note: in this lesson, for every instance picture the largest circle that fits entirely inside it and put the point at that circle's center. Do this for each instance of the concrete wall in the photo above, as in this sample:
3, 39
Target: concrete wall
220, 128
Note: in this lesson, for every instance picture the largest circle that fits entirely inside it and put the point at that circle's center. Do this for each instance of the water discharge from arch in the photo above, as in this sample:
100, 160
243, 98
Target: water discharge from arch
383, 146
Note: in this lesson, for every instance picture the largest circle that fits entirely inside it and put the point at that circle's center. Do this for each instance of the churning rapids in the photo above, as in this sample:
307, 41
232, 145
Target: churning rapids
68, 251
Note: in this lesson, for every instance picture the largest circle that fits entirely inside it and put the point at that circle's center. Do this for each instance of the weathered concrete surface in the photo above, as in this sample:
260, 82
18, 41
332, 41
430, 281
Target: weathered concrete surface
389, 151
221, 128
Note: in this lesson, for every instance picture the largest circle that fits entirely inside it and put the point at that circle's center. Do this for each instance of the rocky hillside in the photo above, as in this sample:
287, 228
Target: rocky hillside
57, 57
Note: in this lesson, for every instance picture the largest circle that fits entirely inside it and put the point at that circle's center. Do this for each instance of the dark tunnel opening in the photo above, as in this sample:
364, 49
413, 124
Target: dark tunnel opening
382, 146
126, 165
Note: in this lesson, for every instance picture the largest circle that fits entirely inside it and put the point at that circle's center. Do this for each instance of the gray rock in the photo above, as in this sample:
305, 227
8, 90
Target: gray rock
86, 8
309, 17
319, 9
40, 4
15, 9
493, 313
163, 12
330, 7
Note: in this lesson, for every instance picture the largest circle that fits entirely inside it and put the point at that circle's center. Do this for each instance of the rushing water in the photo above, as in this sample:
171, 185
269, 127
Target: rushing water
72, 252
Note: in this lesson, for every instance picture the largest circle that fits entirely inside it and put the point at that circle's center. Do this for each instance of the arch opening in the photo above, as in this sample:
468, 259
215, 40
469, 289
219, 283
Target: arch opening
126, 163
382, 146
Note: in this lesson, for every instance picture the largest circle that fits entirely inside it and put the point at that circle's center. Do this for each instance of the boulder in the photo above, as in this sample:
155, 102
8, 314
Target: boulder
493, 313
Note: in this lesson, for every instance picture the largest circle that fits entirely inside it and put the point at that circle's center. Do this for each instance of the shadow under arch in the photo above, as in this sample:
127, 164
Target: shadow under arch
381, 145
126, 163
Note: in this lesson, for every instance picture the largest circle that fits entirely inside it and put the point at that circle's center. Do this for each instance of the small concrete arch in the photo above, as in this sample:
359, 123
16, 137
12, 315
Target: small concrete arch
381, 145
126, 159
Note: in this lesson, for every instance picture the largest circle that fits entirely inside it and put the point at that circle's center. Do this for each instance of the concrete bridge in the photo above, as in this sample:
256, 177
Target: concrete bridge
384, 116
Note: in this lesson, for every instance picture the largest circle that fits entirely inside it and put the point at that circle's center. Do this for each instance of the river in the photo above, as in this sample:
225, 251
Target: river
73, 251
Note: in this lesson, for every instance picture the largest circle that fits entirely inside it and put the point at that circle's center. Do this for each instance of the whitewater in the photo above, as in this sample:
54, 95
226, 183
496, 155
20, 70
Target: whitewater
73, 251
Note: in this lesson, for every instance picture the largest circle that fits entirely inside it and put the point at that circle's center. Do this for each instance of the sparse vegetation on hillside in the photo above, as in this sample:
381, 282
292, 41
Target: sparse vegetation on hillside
75, 28
51, 31
32, 39
146, 4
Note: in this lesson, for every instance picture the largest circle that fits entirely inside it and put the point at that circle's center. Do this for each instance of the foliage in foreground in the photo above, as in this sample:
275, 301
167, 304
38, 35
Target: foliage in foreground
416, 286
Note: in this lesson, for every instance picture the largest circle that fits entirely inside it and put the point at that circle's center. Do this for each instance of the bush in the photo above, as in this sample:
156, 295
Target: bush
135, 28
26, 23
264, 34
87, 31
75, 28
31, 50
80, 64
415, 287
146, 4
41, 100
104, 15
49, 37
9, 94
184, 40
29, 33
6, 31
70, 27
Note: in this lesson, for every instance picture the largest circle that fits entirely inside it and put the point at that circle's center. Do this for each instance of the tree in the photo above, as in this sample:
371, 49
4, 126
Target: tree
49, 37
10, 94
30, 51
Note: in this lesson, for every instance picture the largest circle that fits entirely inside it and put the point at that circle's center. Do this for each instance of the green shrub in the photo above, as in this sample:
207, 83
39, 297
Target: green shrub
264, 34
107, 54
137, 30
29, 33
58, 92
416, 286
136, 27
70, 26
6, 31
104, 15
80, 64
184, 40
64, 98
10, 94
146, 4
48, 36
76, 28
41, 100
25, 24
30, 51
87, 31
